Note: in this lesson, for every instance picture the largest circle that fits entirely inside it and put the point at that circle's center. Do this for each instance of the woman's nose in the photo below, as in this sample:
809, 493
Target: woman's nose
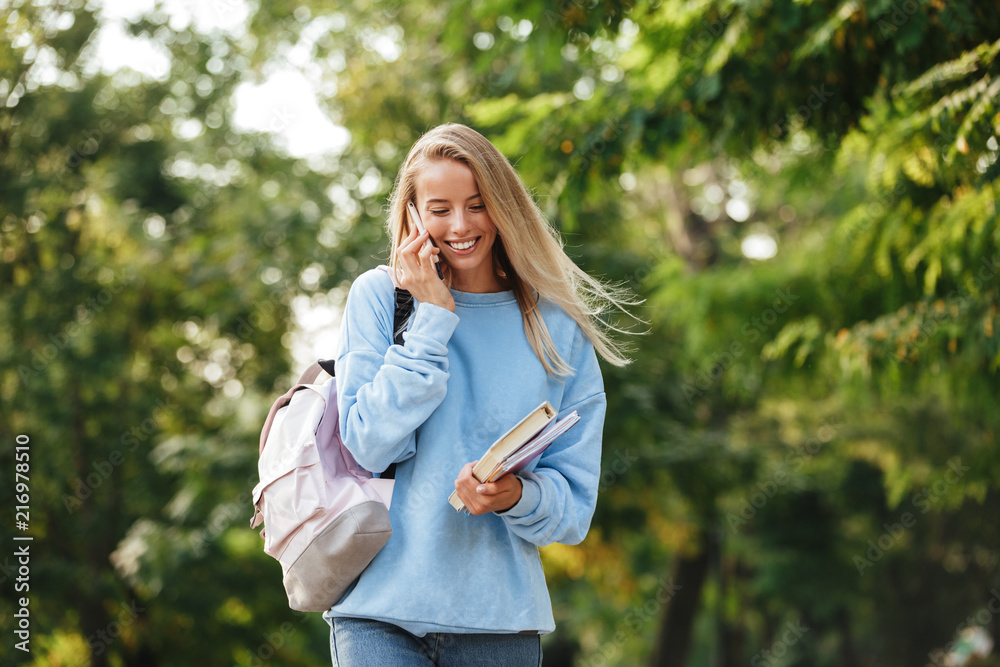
458, 222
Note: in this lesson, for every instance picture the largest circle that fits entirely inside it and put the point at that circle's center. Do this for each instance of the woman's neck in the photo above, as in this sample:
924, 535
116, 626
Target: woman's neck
480, 282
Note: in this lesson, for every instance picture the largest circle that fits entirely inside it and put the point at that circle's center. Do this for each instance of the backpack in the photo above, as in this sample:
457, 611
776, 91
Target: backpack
325, 516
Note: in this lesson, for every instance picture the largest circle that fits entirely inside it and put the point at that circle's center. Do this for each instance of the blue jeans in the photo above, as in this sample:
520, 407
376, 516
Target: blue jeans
359, 642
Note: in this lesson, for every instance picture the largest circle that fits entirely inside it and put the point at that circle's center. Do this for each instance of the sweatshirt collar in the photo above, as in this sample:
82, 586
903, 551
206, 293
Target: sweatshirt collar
483, 298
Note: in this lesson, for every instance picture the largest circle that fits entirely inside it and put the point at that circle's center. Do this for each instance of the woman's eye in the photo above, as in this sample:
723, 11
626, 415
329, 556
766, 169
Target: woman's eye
477, 208
439, 211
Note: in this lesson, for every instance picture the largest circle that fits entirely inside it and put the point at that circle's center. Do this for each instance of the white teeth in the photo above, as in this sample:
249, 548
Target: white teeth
463, 246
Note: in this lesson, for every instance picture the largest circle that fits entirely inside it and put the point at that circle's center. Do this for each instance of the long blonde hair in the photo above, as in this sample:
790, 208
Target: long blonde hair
527, 253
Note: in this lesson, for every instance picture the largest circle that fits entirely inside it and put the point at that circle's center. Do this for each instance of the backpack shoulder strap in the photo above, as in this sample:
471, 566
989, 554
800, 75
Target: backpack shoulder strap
392, 275
404, 307
401, 315
310, 374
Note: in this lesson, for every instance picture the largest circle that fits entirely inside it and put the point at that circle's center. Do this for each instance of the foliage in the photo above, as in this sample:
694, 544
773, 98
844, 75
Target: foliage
803, 439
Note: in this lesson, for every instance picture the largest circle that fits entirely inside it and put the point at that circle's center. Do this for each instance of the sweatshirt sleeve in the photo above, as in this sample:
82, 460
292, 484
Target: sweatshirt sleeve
559, 497
385, 391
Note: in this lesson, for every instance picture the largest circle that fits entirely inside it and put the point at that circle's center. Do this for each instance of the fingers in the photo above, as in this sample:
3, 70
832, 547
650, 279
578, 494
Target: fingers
413, 243
428, 251
417, 273
417, 258
409, 238
408, 260
416, 248
465, 477
465, 487
504, 485
483, 497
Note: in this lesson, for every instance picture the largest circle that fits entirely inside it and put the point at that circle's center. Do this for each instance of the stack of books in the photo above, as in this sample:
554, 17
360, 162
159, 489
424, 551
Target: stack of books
519, 446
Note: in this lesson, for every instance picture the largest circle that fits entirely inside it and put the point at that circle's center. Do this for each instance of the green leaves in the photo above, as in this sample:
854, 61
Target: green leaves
150, 253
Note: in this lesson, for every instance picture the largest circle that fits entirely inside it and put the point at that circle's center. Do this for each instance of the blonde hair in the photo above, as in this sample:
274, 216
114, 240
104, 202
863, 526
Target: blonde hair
527, 253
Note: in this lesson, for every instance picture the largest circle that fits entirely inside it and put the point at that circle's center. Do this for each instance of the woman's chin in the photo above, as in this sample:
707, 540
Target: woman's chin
465, 262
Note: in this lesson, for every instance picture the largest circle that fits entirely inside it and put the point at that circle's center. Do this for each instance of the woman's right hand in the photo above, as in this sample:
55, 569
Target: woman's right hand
416, 273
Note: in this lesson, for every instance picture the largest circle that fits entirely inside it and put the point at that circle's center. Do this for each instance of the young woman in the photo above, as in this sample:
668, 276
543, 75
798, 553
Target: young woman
513, 323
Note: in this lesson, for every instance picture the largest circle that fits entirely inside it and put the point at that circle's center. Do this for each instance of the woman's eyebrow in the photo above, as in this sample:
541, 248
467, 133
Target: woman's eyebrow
446, 201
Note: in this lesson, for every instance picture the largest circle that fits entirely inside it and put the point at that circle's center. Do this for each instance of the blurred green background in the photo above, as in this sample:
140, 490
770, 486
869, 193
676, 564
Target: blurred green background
800, 466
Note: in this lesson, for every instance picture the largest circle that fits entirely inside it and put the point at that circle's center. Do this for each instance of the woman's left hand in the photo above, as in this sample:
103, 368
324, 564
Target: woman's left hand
480, 497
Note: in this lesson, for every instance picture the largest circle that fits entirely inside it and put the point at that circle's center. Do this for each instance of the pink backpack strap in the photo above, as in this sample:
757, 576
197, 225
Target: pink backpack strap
310, 374
392, 274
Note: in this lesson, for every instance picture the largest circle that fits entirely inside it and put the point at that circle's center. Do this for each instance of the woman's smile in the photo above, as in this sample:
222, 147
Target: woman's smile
463, 247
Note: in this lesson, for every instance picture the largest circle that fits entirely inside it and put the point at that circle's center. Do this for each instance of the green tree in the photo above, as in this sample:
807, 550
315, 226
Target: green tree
805, 193
149, 253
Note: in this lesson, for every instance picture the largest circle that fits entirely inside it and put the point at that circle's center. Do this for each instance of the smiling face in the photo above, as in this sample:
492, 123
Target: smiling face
451, 208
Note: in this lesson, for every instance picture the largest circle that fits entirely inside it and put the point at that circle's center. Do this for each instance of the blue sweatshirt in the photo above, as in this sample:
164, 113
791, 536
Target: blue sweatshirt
459, 382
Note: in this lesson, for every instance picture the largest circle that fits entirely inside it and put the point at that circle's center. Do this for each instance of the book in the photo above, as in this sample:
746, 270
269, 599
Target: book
532, 449
519, 446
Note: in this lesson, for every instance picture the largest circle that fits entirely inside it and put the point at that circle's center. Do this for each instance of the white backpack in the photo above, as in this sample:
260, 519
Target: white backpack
325, 516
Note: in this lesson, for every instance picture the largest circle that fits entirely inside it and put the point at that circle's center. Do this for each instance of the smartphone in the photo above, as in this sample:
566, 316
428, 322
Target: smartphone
420, 228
